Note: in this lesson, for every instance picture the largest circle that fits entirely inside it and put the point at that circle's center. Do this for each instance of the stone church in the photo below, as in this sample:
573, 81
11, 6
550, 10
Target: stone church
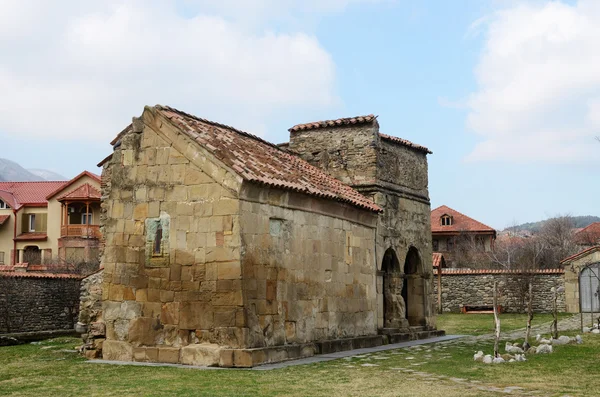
224, 249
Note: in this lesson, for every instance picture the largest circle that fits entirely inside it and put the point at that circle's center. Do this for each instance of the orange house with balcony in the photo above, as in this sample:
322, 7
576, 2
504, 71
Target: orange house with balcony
45, 223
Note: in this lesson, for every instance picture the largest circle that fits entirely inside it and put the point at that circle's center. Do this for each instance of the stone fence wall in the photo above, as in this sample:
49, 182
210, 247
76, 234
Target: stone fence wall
468, 287
32, 302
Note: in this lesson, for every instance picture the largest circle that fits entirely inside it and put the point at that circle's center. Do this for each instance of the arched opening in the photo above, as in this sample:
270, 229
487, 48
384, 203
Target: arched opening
589, 288
393, 304
32, 255
412, 291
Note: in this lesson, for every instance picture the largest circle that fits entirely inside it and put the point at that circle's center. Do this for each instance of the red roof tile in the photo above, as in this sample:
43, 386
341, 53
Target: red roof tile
580, 254
334, 123
438, 259
3, 219
85, 191
41, 275
6, 268
66, 184
33, 236
28, 193
259, 161
589, 235
460, 222
404, 142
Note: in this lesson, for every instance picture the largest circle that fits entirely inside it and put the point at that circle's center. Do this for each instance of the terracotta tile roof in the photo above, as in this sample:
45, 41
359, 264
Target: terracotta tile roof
68, 183
451, 272
580, 254
28, 193
3, 218
334, 123
33, 236
6, 268
404, 142
437, 259
460, 222
589, 235
85, 191
259, 161
41, 275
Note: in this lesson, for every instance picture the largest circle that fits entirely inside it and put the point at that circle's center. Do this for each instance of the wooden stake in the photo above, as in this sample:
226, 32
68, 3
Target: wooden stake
496, 320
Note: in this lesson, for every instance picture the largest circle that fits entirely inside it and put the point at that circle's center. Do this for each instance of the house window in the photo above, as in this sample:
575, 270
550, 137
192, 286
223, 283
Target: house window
3, 205
1, 258
32, 222
436, 245
450, 244
86, 219
446, 220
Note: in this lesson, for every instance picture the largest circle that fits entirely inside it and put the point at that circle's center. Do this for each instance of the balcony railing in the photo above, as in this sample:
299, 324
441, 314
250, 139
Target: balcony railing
86, 231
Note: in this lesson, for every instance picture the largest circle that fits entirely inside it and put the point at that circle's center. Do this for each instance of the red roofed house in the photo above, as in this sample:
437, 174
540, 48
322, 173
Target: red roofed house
41, 222
588, 236
451, 230
224, 249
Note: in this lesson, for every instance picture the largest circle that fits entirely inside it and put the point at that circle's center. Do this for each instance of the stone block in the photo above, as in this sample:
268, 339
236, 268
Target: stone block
140, 211
143, 331
229, 271
224, 317
117, 351
204, 354
196, 315
170, 313
195, 177
168, 355
97, 329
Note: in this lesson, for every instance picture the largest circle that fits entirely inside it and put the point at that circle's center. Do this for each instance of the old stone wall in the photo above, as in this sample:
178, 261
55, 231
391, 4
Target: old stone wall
38, 302
172, 257
308, 268
403, 168
346, 153
90, 324
462, 288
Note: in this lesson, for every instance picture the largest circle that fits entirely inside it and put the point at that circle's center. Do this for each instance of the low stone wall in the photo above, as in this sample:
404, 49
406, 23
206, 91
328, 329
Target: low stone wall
467, 287
32, 302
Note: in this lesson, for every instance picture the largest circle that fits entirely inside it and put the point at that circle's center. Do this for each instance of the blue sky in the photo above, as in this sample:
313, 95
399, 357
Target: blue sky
505, 93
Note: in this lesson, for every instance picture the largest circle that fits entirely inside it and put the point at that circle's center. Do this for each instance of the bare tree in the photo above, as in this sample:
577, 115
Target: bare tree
558, 237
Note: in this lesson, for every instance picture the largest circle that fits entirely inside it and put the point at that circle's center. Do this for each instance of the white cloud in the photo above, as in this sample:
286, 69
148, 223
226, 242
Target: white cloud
539, 84
72, 69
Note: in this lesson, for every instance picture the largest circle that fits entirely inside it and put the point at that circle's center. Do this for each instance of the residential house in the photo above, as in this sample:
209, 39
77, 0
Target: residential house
224, 249
50, 222
588, 236
460, 238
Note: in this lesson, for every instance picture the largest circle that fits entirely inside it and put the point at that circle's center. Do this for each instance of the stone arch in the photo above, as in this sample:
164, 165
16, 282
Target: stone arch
394, 312
413, 288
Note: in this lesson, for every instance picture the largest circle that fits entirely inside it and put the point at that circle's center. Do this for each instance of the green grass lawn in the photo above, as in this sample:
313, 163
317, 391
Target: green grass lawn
49, 369
479, 324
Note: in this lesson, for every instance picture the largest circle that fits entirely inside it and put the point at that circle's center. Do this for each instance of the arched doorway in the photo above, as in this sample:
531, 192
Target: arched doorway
412, 292
32, 255
394, 309
589, 288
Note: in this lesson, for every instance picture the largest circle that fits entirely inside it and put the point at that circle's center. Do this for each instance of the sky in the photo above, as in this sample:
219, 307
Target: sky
505, 93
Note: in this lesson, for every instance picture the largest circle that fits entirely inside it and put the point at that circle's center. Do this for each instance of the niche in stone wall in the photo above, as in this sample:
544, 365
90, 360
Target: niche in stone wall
157, 241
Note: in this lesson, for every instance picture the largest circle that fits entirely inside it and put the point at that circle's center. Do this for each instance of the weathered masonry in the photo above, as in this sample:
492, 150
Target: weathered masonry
474, 288
223, 249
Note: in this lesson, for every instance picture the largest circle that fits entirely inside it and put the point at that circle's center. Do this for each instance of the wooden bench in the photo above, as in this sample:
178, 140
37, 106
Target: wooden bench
478, 309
